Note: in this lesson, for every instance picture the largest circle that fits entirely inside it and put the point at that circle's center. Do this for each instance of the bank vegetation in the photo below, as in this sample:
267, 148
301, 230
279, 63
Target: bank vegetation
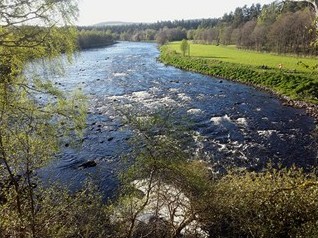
165, 191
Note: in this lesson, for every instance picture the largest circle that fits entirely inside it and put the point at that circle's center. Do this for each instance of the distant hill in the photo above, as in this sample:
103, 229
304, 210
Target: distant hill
114, 23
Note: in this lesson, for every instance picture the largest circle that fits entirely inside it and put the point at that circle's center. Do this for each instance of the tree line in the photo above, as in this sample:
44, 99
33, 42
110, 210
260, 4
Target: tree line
282, 28
36, 117
286, 27
94, 38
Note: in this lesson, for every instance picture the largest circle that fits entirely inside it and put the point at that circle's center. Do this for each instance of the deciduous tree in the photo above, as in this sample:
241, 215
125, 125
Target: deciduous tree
314, 4
184, 47
33, 112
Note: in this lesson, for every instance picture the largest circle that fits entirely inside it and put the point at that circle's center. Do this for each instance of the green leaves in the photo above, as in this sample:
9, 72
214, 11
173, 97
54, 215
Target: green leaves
90, 39
184, 47
33, 111
273, 203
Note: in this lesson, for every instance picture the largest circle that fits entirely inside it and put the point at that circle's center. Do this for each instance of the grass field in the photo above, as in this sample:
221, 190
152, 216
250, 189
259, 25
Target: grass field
294, 80
233, 55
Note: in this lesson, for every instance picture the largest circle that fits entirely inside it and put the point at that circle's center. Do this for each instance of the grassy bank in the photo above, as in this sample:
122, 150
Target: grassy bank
294, 82
251, 58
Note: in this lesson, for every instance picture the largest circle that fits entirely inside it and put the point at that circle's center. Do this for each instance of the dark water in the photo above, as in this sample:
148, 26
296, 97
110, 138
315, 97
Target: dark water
239, 125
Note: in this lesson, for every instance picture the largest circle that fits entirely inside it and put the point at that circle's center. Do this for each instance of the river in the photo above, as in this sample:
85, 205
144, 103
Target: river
238, 124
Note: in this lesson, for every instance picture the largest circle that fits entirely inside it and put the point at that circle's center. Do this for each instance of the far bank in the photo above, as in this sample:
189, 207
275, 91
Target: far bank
294, 79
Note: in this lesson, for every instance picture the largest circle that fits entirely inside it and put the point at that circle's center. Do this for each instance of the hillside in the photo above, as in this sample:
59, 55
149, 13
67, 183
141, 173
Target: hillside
114, 23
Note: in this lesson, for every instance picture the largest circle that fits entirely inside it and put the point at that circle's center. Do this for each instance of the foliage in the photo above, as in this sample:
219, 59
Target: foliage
154, 201
167, 35
34, 113
280, 27
165, 185
140, 27
274, 203
58, 213
294, 84
91, 39
184, 47
277, 27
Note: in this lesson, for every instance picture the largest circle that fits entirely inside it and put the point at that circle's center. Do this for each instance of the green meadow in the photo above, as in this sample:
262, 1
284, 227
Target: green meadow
297, 78
233, 55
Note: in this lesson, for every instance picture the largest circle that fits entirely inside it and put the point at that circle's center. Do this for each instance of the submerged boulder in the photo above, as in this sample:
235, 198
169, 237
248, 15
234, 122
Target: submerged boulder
88, 164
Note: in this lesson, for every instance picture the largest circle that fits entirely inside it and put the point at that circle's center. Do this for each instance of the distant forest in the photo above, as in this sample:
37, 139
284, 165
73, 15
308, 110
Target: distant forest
283, 28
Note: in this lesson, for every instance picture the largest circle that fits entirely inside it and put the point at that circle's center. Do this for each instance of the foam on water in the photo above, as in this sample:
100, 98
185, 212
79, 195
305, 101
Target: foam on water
194, 111
141, 95
174, 90
174, 206
220, 120
119, 74
267, 133
242, 122
184, 97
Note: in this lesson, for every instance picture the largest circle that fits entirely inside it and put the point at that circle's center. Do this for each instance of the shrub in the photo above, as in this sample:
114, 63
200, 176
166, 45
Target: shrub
275, 203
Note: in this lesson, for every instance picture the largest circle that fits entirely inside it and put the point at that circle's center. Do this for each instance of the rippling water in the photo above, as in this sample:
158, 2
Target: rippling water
239, 125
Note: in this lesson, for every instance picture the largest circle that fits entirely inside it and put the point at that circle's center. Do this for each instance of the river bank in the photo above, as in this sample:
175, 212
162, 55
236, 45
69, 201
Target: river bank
295, 88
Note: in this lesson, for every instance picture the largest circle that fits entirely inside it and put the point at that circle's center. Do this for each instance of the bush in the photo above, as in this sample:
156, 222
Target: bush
275, 203
58, 213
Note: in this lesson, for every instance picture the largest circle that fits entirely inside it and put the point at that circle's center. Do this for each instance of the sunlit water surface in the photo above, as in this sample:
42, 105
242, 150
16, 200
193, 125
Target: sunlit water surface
238, 125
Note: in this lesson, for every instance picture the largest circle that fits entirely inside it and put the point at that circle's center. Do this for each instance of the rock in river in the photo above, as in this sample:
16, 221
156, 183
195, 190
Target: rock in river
88, 164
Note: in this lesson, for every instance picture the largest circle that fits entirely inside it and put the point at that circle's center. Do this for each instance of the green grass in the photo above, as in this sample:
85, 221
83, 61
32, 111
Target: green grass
252, 68
233, 55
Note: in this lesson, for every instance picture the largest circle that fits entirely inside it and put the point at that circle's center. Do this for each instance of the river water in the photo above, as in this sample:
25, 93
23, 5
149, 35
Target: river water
238, 125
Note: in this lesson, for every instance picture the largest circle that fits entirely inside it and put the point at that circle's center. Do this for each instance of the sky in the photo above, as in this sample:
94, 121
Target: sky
147, 11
